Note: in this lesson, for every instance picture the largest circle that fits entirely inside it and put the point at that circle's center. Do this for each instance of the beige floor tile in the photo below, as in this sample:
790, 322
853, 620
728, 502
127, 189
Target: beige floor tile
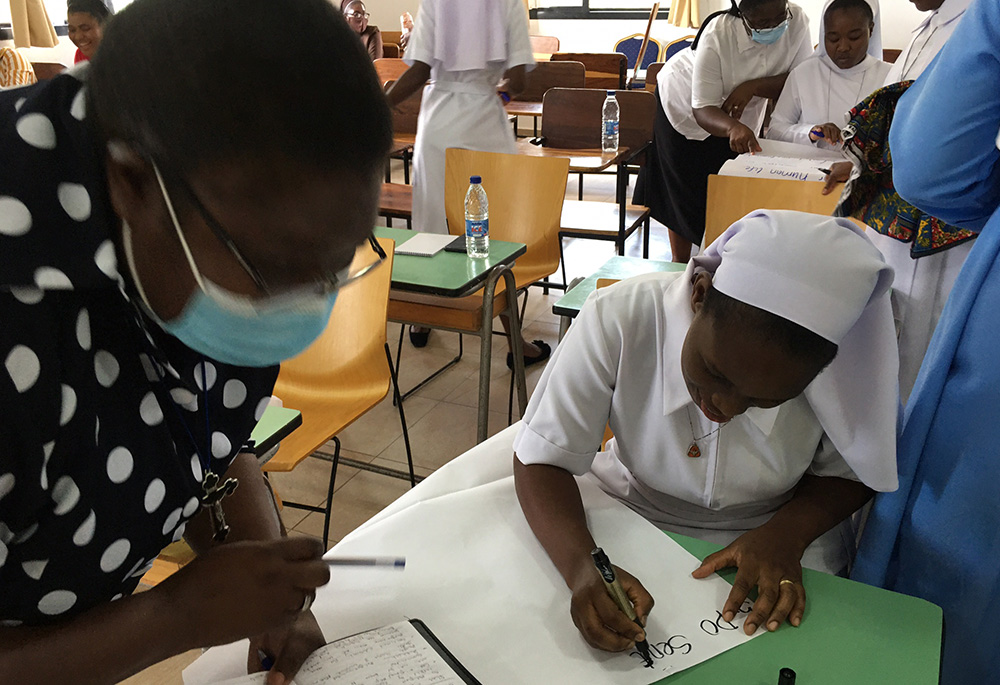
467, 394
540, 306
446, 432
418, 364
364, 496
373, 432
307, 482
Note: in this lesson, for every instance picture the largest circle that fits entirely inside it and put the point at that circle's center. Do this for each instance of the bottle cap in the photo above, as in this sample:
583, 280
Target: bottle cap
611, 93
475, 179
786, 676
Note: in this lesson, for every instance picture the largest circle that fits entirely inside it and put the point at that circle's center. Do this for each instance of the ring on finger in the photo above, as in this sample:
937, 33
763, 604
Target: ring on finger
307, 602
786, 581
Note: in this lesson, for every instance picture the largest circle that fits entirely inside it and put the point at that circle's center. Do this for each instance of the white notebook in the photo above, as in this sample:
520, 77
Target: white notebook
404, 652
424, 244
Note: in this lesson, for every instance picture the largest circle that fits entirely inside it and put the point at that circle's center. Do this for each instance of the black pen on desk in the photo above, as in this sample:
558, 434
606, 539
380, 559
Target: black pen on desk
617, 593
397, 563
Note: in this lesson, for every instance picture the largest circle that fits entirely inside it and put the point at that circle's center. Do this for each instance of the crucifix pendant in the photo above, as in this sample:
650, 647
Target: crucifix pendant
694, 451
212, 493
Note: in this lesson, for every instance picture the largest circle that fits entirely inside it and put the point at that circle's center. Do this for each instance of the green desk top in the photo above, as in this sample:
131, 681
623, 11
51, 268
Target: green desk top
274, 425
450, 274
616, 267
851, 634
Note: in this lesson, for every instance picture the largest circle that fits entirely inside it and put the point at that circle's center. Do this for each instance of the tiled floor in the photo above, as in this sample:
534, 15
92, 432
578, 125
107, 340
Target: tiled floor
441, 416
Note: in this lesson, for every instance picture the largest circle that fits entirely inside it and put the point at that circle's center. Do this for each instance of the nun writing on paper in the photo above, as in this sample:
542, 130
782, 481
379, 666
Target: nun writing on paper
753, 403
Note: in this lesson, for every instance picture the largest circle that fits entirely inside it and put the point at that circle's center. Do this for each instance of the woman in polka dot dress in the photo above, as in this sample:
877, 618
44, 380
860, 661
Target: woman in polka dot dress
173, 224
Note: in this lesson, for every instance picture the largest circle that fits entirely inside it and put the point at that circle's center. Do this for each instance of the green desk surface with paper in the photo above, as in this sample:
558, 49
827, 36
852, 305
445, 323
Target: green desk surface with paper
275, 424
618, 268
450, 274
852, 634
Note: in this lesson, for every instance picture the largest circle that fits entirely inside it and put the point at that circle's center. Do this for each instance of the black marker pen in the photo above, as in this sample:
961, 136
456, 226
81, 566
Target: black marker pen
617, 593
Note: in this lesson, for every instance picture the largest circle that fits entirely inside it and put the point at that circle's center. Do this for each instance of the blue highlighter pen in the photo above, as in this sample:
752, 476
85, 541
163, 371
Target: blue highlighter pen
265, 661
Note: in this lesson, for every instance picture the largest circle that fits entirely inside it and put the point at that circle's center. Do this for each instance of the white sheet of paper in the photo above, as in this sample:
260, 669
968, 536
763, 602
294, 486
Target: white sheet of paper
424, 244
781, 148
384, 656
476, 574
780, 168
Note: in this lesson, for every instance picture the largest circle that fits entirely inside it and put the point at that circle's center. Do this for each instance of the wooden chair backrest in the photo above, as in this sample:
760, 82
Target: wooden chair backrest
391, 36
546, 44
890, 55
390, 51
605, 70
652, 71
389, 69
404, 117
547, 75
525, 199
47, 70
344, 373
571, 117
730, 198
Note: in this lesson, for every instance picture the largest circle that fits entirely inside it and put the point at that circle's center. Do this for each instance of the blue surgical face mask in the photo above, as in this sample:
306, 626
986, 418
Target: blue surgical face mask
235, 329
768, 36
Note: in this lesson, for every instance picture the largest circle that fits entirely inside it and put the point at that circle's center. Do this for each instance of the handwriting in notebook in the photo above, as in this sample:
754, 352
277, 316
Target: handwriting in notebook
392, 655
681, 645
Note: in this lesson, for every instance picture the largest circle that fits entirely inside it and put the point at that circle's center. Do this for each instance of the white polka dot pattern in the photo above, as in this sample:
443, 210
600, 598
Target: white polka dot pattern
83, 329
23, 366
68, 407
27, 295
234, 394
85, 533
65, 494
6, 484
114, 556
36, 130
106, 368
155, 493
120, 465
15, 219
149, 410
78, 110
75, 201
106, 260
221, 446
35, 569
57, 602
49, 278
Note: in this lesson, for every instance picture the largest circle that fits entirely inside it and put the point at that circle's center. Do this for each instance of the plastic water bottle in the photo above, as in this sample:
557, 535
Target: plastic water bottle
477, 219
609, 118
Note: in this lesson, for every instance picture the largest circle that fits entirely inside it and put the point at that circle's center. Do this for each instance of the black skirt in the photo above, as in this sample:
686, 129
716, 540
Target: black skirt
674, 181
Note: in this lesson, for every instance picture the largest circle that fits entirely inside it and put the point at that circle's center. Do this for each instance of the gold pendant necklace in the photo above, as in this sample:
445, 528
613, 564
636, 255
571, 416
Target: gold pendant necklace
694, 451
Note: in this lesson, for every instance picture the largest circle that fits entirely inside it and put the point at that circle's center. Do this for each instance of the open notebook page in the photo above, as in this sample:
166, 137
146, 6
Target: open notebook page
384, 656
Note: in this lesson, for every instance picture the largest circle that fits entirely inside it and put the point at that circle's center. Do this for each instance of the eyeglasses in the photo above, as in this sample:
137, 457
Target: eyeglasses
328, 284
354, 14
750, 28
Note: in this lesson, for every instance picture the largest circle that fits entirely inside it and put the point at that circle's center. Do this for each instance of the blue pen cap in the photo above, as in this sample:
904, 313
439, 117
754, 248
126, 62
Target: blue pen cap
475, 179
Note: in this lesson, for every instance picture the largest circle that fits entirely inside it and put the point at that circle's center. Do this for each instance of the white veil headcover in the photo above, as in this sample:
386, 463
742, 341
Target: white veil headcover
823, 274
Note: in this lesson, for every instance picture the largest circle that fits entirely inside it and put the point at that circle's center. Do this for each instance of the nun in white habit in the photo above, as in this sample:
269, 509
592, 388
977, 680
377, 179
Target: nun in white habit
731, 422
466, 48
846, 68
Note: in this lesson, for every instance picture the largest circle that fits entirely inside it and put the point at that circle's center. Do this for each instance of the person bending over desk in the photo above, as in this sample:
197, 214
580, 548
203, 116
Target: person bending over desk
172, 226
712, 104
753, 403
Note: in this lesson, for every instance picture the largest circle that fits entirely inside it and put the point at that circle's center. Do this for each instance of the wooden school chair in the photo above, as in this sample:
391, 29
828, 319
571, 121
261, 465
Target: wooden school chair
545, 45
389, 69
571, 118
548, 75
47, 70
396, 202
730, 198
525, 196
340, 377
605, 70
391, 37
390, 51
404, 131
652, 72
630, 45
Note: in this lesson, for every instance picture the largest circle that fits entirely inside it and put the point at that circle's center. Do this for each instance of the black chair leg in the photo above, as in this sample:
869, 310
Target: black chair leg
329, 493
402, 416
